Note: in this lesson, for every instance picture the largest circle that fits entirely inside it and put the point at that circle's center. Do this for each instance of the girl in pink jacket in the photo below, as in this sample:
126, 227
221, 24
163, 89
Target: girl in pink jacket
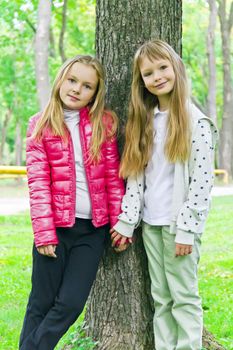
75, 193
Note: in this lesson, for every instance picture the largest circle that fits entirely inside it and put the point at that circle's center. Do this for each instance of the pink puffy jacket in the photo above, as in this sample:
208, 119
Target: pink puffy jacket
52, 180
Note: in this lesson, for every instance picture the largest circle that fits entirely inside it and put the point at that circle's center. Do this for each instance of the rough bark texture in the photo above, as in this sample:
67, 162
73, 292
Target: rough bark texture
211, 99
226, 144
120, 309
42, 52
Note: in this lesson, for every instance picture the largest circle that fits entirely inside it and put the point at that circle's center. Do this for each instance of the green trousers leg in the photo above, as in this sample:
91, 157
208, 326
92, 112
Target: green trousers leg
178, 313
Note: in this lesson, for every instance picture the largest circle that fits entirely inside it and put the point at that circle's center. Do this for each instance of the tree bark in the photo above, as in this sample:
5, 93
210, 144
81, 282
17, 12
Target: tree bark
226, 134
42, 52
120, 309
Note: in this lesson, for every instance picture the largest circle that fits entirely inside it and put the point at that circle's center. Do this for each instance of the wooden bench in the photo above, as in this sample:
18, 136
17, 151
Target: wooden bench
224, 173
11, 171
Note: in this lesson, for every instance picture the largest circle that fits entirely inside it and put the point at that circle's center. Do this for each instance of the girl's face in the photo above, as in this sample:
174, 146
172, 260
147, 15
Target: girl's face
79, 86
158, 76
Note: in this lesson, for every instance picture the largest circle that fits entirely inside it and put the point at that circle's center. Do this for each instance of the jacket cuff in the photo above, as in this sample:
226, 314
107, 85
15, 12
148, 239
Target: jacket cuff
184, 237
45, 238
124, 228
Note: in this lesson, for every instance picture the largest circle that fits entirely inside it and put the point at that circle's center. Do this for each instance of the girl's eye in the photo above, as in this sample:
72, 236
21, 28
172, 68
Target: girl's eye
71, 80
87, 86
163, 67
146, 74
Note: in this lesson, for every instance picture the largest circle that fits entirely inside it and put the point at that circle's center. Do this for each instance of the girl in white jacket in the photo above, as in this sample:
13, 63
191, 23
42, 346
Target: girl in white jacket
168, 160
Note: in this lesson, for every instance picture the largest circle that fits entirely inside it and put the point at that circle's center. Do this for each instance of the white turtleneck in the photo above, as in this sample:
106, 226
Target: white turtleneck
83, 202
159, 177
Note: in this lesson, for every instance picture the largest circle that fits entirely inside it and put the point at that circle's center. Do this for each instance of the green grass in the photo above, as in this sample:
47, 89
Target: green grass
215, 274
216, 271
15, 272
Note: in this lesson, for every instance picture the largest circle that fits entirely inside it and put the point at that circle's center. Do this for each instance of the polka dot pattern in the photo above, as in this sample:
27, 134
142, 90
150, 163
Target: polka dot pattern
195, 210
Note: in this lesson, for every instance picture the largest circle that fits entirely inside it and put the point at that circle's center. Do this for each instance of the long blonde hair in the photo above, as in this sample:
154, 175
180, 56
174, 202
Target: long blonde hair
139, 128
53, 115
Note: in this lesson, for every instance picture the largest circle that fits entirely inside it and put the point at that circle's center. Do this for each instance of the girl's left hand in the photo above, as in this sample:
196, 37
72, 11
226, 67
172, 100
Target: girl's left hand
183, 249
47, 250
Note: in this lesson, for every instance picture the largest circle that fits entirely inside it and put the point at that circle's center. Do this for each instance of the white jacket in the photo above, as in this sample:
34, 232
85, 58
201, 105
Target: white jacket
193, 181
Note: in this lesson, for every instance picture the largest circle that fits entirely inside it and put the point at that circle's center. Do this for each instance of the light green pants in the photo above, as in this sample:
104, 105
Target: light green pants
174, 287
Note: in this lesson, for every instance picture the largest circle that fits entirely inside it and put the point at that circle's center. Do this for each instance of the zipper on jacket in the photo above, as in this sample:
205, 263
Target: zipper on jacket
73, 182
94, 219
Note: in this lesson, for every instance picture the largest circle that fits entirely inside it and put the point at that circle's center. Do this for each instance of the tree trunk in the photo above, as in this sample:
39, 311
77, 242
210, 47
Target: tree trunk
226, 140
62, 33
42, 52
120, 309
4, 133
210, 43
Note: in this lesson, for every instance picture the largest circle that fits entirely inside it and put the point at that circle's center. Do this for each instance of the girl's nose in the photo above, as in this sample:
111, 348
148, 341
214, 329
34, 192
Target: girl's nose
77, 88
157, 76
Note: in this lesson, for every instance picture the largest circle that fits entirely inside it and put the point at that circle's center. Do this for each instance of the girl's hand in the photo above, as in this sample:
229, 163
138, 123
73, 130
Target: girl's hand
119, 242
47, 250
183, 249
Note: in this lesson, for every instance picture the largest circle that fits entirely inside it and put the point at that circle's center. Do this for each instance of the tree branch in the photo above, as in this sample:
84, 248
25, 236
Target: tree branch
30, 25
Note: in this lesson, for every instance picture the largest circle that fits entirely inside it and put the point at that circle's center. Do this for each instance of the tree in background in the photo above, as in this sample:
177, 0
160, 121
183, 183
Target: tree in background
42, 52
210, 48
17, 81
226, 140
18, 94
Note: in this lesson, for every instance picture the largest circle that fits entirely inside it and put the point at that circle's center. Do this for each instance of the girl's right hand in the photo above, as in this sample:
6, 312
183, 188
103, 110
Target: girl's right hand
47, 250
119, 242
183, 249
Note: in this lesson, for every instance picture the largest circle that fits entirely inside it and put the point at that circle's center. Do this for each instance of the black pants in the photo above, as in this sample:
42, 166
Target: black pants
60, 286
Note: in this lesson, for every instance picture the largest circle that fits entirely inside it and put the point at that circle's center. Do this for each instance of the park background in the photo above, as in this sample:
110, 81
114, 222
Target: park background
207, 52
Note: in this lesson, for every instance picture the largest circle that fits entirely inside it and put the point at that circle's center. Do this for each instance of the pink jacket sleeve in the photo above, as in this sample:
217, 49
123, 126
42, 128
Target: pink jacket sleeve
115, 185
38, 172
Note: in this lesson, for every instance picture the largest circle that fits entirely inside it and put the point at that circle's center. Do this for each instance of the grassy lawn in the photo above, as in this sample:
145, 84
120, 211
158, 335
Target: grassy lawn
215, 273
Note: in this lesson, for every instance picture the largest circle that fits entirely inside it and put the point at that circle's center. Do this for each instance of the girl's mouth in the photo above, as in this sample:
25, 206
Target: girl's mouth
159, 86
73, 98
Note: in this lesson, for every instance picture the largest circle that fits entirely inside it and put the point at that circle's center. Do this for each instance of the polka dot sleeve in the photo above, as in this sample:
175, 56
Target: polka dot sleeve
193, 214
131, 206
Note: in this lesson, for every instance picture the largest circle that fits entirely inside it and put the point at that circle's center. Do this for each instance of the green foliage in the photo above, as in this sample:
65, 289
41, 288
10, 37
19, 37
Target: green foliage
78, 339
195, 24
17, 62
